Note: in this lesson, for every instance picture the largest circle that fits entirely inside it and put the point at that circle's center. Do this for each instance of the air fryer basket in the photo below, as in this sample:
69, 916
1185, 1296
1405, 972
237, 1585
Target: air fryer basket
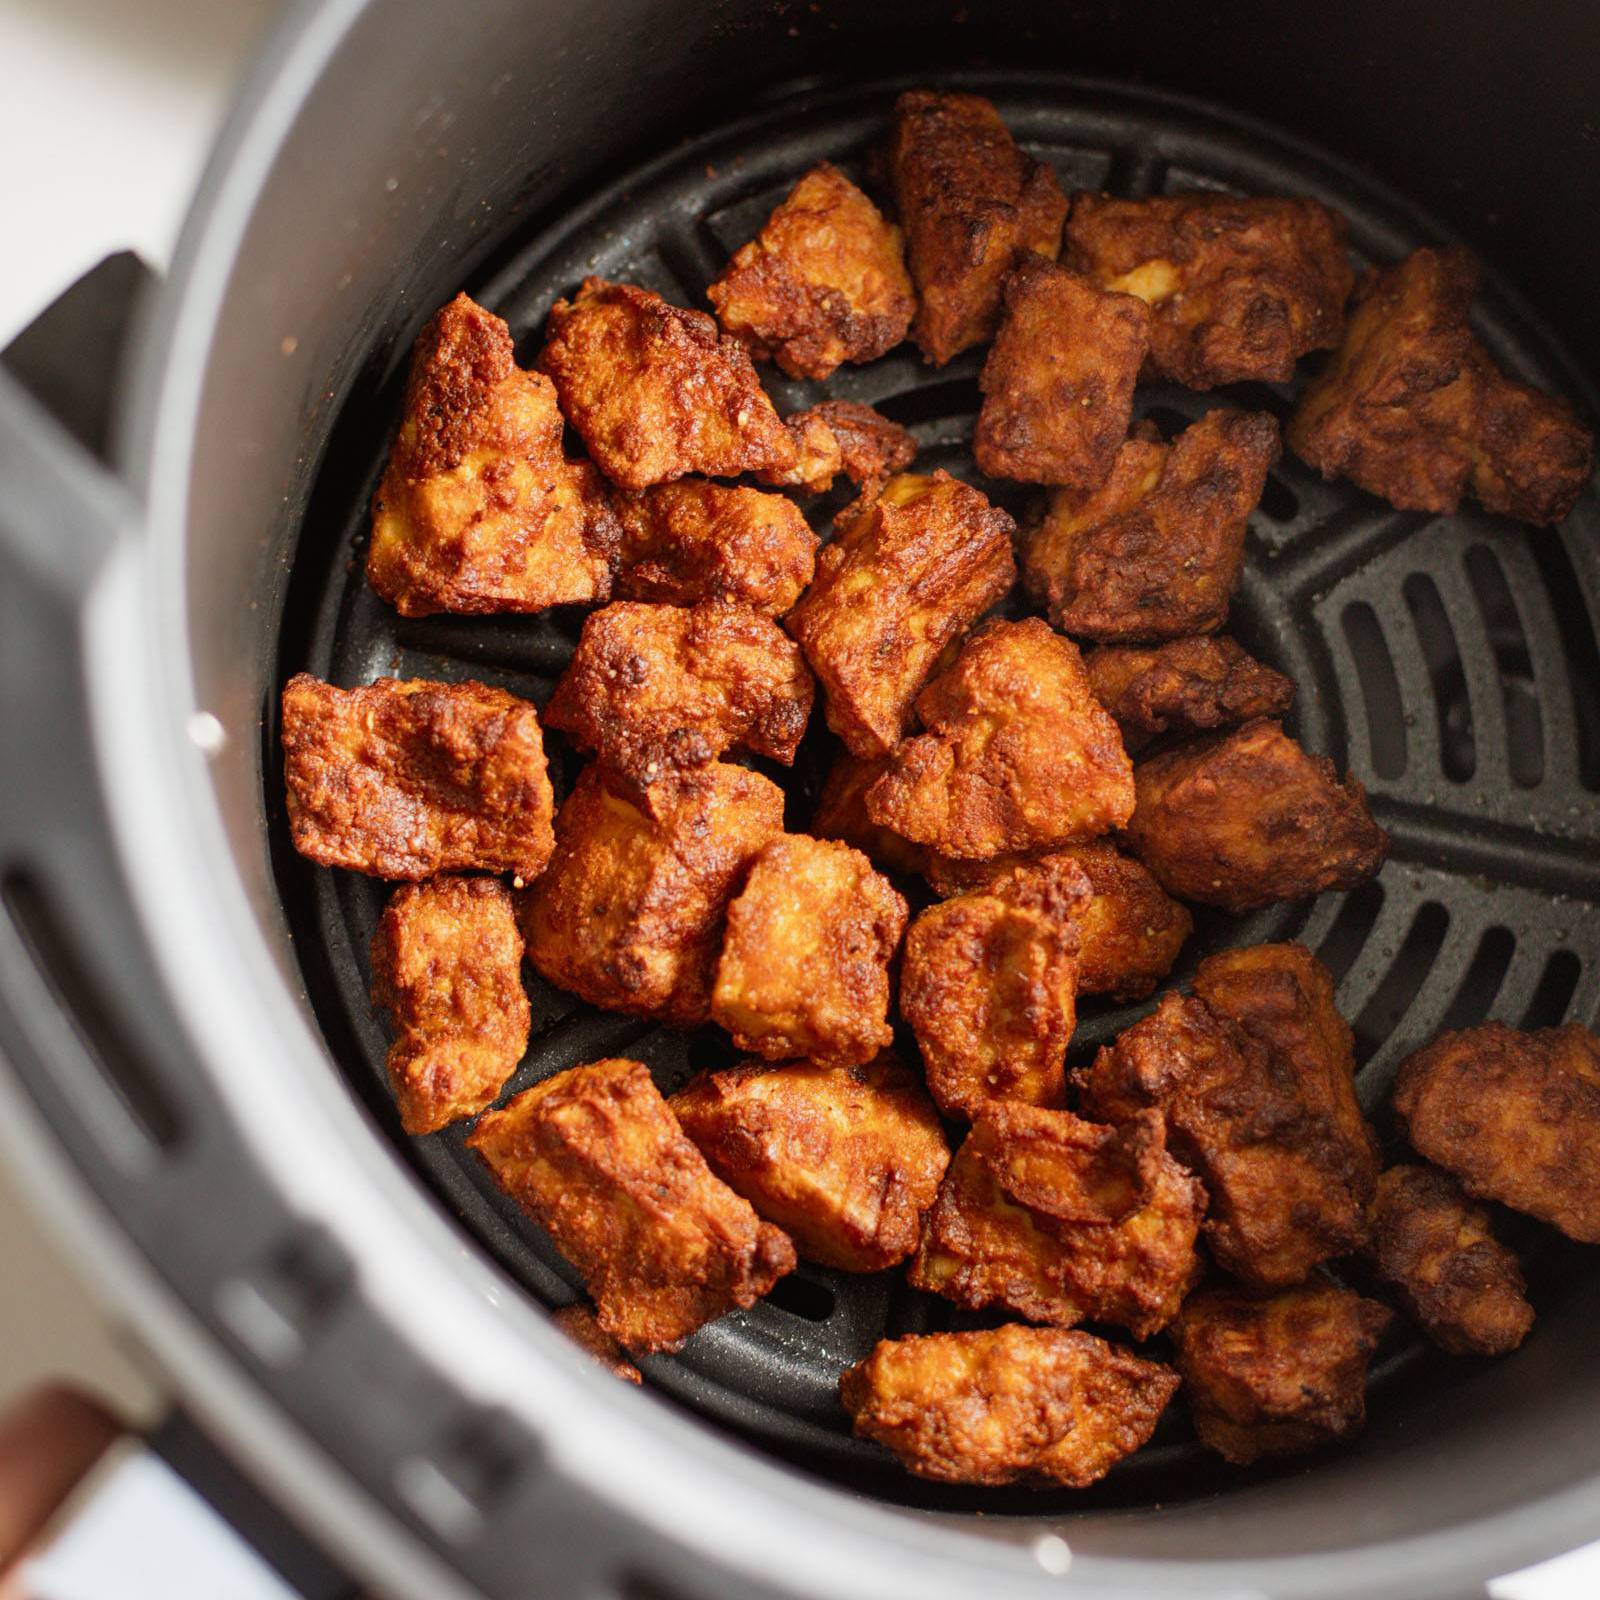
1451, 662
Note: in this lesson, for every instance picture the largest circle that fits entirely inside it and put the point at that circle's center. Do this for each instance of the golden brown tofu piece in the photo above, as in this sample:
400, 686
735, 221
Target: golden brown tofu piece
844, 1159
596, 1159
1183, 686
1058, 381
1515, 1116
447, 969
1018, 753
1254, 1076
655, 391
583, 1328
970, 202
845, 436
1155, 551
1062, 1221
819, 457
478, 509
1129, 929
1277, 1376
694, 540
630, 913
804, 970
650, 688
1242, 819
406, 779
1412, 407
1237, 288
989, 988
842, 814
997, 1404
824, 282
1437, 1251
912, 567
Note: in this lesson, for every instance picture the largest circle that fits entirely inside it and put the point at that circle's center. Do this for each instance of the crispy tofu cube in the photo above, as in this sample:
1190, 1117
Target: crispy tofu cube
1018, 753
989, 986
1058, 381
1129, 929
596, 1159
818, 455
1515, 1116
842, 814
1437, 1252
651, 688
844, 1159
1154, 552
914, 565
1413, 408
804, 970
845, 436
1183, 686
630, 913
406, 779
824, 282
655, 391
1237, 288
1063, 1221
447, 970
970, 202
1277, 1376
994, 1405
583, 1328
1254, 1075
1241, 819
478, 509
694, 540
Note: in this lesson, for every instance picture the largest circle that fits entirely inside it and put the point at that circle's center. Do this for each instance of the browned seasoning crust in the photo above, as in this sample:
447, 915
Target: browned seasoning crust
988, 986
1129, 929
970, 202
694, 540
1515, 1116
478, 509
1239, 288
447, 971
583, 1328
1241, 819
406, 779
1413, 408
1184, 686
844, 1159
655, 391
1154, 552
1062, 1221
994, 1405
1277, 1376
596, 1159
842, 814
913, 566
631, 910
845, 436
818, 460
1018, 753
1058, 380
1437, 1251
804, 970
824, 282
1254, 1075
654, 687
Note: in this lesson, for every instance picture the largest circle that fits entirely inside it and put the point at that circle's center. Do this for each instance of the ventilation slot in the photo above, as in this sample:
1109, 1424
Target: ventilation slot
935, 402
1380, 689
803, 1297
1481, 985
1458, 752
150, 1120
1519, 692
1351, 929
275, 1310
456, 1486
1579, 647
1279, 503
1168, 420
1557, 985
1391, 1000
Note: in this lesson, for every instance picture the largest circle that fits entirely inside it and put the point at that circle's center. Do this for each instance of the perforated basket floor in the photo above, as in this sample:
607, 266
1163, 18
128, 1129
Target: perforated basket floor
1451, 663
